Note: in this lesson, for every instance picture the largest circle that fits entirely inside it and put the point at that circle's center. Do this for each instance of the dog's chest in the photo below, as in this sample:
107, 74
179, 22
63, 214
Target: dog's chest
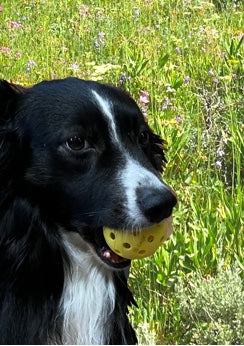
88, 297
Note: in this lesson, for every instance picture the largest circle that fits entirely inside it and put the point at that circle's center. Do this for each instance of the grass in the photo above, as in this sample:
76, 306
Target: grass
188, 55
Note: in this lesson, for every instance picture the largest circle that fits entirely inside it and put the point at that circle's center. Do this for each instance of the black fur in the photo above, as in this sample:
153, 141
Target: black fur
44, 186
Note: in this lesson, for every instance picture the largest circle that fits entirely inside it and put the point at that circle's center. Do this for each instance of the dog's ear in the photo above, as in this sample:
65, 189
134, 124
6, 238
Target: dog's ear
9, 143
9, 95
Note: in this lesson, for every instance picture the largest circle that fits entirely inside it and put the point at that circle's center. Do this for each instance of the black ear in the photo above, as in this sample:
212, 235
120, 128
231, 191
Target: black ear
9, 95
10, 151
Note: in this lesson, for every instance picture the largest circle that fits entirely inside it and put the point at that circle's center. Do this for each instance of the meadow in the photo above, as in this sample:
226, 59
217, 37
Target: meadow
182, 61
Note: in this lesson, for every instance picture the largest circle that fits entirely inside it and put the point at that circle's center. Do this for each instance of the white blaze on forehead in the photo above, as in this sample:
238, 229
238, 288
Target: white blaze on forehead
133, 176
106, 110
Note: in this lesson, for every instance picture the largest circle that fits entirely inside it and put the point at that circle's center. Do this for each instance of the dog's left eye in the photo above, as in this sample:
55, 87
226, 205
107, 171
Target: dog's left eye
143, 138
76, 143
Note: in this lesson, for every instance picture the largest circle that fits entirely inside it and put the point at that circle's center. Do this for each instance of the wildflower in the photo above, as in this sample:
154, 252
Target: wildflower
215, 80
15, 25
144, 112
5, 49
75, 67
166, 103
144, 97
136, 11
157, 26
203, 50
31, 63
1, 9
18, 54
122, 79
220, 153
178, 50
218, 164
101, 35
100, 12
64, 49
234, 75
169, 89
96, 45
178, 119
83, 10
210, 72
186, 79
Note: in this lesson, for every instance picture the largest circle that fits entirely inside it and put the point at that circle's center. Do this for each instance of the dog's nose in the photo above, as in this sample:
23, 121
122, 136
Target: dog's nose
156, 204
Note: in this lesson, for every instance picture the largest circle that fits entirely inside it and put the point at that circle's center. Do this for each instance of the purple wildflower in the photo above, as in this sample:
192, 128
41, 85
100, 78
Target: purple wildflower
101, 35
31, 63
178, 119
220, 153
123, 79
186, 79
218, 164
1, 9
211, 72
215, 80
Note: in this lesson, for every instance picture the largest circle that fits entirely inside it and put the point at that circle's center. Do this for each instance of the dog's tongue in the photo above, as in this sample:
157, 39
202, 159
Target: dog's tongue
112, 256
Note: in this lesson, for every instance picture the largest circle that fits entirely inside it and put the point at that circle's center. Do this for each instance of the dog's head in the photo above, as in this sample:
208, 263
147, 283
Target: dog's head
82, 153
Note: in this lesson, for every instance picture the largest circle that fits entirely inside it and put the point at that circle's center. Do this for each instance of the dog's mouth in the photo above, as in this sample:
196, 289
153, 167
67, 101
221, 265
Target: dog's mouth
107, 255
111, 258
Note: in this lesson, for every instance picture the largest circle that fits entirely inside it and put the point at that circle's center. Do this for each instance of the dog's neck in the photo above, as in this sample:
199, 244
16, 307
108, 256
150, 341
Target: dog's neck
88, 297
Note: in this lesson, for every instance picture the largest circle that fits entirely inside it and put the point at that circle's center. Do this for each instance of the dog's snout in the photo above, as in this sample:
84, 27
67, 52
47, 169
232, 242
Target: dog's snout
156, 204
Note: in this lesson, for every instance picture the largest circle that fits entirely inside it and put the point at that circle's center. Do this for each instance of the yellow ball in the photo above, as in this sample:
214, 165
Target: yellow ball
140, 244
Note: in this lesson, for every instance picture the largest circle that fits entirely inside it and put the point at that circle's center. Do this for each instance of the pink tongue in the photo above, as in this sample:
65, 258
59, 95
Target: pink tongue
112, 256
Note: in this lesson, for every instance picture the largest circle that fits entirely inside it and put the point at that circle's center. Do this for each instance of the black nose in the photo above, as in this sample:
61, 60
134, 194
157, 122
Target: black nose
156, 204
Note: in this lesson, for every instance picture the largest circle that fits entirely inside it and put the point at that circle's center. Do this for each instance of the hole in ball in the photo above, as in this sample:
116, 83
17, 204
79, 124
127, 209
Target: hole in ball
127, 245
150, 239
112, 235
141, 252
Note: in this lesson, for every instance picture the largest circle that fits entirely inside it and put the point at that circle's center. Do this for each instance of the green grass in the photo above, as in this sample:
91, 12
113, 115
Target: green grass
189, 56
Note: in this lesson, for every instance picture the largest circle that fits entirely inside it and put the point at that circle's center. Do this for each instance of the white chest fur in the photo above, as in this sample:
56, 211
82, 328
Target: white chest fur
88, 297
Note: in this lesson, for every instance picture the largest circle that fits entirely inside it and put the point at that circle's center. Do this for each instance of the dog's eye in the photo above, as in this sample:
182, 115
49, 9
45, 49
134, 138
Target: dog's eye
143, 138
76, 143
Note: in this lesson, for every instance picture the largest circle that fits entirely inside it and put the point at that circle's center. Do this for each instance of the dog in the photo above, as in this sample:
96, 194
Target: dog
75, 156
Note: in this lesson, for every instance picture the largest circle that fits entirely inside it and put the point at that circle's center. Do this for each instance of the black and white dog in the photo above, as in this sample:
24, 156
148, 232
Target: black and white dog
75, 156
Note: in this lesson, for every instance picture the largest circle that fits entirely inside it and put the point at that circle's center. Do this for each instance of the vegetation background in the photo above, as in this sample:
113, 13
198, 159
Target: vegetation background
182, 61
